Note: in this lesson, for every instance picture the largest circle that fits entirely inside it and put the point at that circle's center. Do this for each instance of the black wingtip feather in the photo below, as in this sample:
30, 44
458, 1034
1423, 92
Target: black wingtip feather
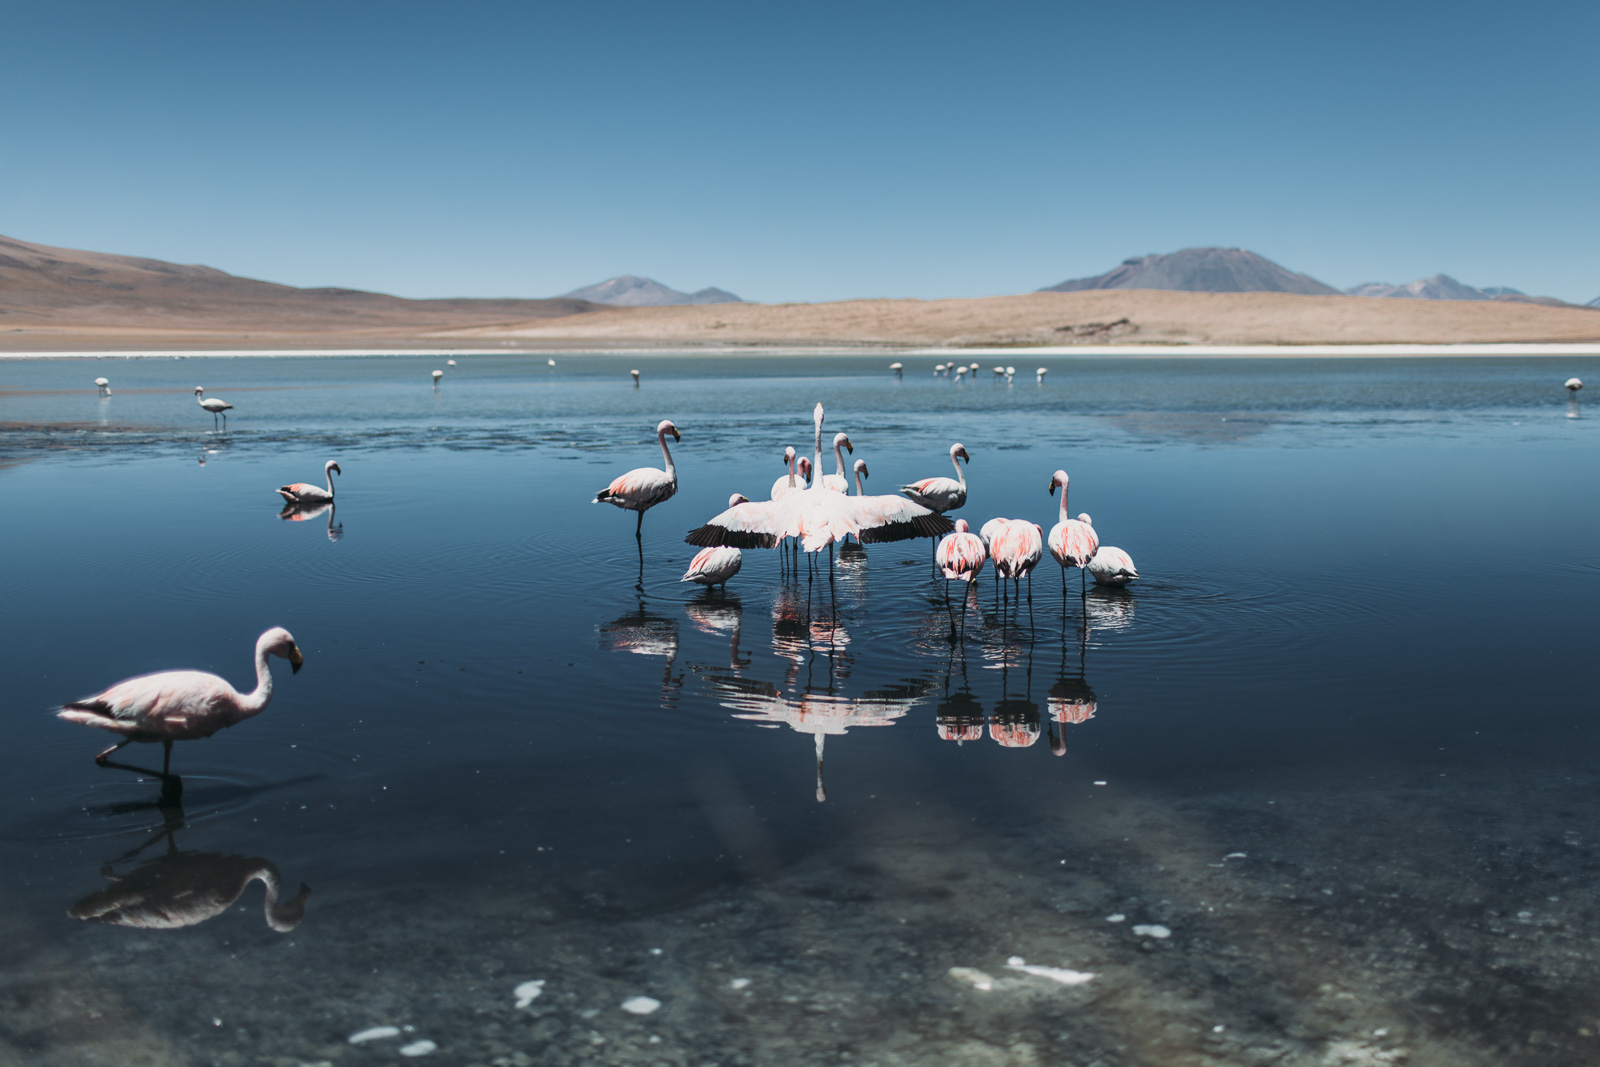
921, 526
709, 536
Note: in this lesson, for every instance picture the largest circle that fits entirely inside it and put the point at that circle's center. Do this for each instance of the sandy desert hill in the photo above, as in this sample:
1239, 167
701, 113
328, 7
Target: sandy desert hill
54, 299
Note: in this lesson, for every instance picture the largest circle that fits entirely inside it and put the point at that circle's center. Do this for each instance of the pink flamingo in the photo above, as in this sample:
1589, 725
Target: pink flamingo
1072, 541
644, 487
714, 566
839, 482
861, 472
215, 406
1111, 566
304, 493
799, 475
180, 705
940, 495
960, 555
1016, 548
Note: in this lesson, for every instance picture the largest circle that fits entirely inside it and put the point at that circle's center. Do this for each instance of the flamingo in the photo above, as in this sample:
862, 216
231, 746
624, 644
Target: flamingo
714, 566
818, 517
898, 368
1573, 385
938, 370
303, 493
215, 406
104, 385
788, 483
861, 472
180, 705
449, 363
960, 555
1040, 373
635, 375
551, 362
1017, 548
942, 494
1112, 566
1072, 541
961, 375
644, 487
839, 482
436, 376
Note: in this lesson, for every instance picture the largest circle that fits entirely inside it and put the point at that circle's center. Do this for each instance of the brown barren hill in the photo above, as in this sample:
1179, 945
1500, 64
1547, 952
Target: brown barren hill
56, 299
52, 298
1117, 316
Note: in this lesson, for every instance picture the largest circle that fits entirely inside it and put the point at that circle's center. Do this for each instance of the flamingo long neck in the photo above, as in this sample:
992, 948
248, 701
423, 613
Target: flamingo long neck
961, 475
672, 471
822, 791
255, 701
792, 462
327, 474
1064, 515
282, 919
859, 490
838, 459
816, 464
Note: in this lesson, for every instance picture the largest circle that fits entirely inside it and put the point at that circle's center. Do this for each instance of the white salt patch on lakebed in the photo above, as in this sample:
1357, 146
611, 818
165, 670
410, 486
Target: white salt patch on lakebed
419, 1048
528, 992
1117, 918
377, 1033
641, 1005
1152, 931
1056, 974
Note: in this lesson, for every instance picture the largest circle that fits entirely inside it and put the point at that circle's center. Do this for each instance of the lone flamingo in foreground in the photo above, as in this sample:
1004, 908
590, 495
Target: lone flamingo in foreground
644, 487
1072, 542
714, 566
215, 406
104, 385
180, 705
304, 493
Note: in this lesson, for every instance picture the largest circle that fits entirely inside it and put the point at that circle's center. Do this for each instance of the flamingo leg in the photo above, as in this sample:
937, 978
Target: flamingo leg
101, 758
166, 757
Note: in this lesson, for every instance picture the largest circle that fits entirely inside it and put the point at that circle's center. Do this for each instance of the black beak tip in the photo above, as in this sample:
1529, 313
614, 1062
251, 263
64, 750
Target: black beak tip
294, 668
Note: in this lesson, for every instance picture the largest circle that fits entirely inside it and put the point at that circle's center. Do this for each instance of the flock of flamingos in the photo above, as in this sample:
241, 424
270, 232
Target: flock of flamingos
805, 512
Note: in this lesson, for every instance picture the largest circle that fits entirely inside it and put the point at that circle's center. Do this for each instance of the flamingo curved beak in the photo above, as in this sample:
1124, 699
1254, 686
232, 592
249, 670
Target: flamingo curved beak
1052, 487
676, 436
295, 659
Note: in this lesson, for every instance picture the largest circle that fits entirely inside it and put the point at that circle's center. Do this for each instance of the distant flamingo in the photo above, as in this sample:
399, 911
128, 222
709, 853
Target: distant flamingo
1573, 384
104, 386
303, 493
644, 487
1112, 566
436, 376
215, 406
942, 494
635, 375
449, 363
961, 375
839, 482
1040, 373
180, 705
898, 368
1072, 541
714, 566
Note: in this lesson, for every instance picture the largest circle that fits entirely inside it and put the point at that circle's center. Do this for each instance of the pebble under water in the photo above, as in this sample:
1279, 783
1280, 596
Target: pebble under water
1317, 790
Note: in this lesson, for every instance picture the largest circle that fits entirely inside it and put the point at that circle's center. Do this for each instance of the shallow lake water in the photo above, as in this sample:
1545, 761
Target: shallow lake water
1319, 789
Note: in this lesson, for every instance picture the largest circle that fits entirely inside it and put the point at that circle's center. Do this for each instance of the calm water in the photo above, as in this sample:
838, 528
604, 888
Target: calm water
1325, 791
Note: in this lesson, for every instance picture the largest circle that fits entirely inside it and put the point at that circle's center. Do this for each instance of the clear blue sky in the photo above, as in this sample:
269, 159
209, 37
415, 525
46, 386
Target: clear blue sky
806, 152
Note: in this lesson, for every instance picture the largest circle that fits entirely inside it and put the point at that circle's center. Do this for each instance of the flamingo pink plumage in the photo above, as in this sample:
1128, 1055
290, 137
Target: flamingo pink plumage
1016, 548
1072, 542
961, 554
304, 493
942, 494
861, 472
714, 566
1112, 566
215, 406
799, 475
644, 487
181, 705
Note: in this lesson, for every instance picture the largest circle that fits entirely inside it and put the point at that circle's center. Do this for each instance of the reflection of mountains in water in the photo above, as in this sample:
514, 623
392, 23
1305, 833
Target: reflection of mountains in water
178, 889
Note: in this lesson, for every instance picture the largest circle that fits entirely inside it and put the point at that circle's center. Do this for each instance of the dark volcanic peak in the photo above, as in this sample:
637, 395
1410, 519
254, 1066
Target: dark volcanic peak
1201, 270
628, 290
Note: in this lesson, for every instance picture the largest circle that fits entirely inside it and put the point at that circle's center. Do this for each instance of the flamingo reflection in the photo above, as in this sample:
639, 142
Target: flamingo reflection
645, 634
179, 888
718, 616
1016, 719
300, 513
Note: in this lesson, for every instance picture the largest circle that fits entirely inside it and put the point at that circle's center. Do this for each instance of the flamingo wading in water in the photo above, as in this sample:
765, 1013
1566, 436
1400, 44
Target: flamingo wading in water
215, 406
1112, 566
181, 705
1016, 548
644, 487
942, 494
960, 555
304, 493
104, 385
1072, 542
714, 566
839, 482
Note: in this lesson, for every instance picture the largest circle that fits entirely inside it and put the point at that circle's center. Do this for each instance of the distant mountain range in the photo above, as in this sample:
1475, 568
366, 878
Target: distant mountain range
627, 290
1234, 270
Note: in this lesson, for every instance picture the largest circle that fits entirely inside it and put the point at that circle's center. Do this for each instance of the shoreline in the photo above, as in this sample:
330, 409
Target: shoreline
1153, 351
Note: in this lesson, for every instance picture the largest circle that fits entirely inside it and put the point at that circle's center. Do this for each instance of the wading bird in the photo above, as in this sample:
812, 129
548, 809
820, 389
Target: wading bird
436, 376
1016, 548
215, 406
635, 375
1072, 542
960, 555
1112, 566
898, 368
1573, 384
714, 566
644, 487
942, 494
861, 472
104, 385
839, 481
1040, 373
304, 493
180, 705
